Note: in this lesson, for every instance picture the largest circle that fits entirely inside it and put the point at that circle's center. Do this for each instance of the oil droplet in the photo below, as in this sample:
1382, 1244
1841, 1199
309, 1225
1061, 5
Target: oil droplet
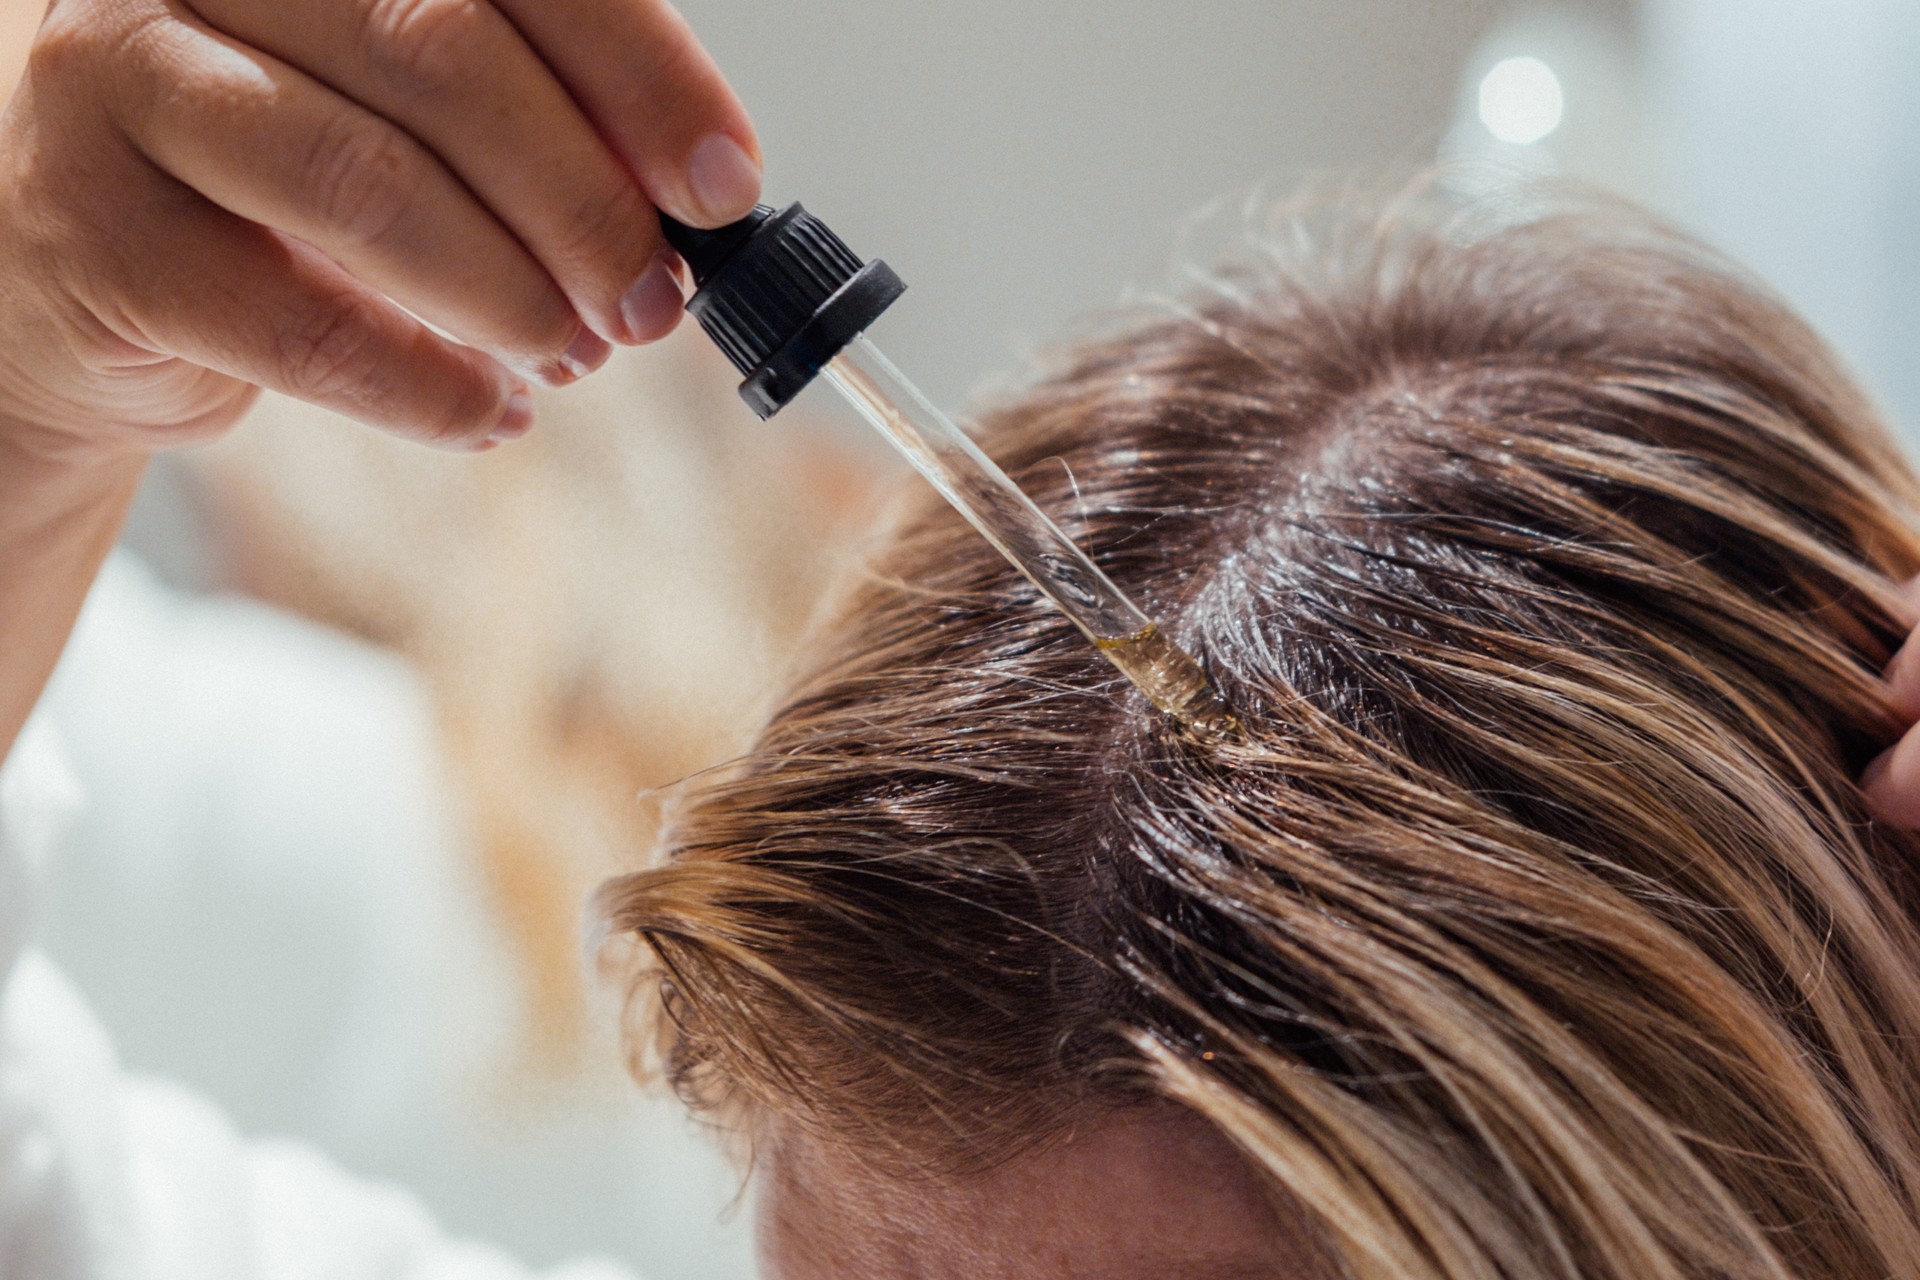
1171, 680
1034, 544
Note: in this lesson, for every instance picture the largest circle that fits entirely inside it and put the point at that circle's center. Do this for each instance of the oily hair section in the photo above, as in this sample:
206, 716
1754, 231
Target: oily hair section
1532, 927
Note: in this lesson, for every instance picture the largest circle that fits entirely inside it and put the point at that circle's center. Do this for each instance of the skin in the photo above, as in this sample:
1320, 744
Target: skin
1144, 1194
201, 199
1891, 782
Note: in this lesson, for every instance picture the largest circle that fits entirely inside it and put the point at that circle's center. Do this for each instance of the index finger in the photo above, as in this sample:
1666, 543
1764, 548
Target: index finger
1902, 675
642, 77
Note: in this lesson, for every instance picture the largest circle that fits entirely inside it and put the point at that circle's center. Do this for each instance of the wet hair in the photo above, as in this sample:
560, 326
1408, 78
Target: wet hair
1532, 927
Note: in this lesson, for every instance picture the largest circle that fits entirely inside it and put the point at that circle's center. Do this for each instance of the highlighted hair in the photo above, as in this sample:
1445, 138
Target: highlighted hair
1535, 928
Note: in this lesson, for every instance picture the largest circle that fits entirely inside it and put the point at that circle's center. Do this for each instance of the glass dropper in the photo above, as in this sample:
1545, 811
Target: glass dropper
787, 300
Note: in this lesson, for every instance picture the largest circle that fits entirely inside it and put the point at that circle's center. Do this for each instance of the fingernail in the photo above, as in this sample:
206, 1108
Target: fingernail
652, 306
724, 179
587, 352
516, 421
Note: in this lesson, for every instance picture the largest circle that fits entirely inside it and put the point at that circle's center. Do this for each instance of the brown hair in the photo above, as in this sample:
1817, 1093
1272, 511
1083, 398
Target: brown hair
1533, 928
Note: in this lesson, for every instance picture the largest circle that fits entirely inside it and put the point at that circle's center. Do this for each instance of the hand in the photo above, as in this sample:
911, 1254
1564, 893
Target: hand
199, 201
1892, 781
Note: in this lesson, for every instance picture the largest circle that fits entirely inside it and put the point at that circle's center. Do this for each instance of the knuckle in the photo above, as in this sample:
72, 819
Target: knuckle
430, 43
329, 353
361, 178
665, 70
74, 45
670, 89
68, 37
61, 48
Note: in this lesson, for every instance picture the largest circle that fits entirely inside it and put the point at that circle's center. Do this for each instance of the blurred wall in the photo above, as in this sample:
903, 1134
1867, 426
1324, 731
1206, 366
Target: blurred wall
1019, 161
1785, 132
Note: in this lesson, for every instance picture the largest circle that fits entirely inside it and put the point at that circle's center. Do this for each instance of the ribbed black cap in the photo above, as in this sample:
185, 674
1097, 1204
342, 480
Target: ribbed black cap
781, 295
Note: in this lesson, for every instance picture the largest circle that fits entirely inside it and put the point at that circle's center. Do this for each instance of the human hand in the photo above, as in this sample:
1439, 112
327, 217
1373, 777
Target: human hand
1891, 782
199, 201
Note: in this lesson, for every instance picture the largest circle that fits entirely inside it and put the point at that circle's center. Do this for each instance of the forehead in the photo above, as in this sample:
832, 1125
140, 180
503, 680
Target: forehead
1143, 1194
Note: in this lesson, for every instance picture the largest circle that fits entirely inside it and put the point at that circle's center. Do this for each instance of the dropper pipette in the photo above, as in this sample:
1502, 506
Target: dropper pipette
786, 300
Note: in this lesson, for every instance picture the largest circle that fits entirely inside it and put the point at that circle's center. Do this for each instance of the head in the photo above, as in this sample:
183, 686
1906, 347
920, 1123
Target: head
1532, 927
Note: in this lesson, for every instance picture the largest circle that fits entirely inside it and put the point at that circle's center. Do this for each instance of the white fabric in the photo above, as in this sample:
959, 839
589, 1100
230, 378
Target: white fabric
268, 895
108, 1176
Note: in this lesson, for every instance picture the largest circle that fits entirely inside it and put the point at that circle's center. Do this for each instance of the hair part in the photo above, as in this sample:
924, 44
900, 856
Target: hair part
1533, 927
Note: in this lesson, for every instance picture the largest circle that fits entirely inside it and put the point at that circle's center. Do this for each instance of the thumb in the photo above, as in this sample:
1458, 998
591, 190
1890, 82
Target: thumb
1891, 782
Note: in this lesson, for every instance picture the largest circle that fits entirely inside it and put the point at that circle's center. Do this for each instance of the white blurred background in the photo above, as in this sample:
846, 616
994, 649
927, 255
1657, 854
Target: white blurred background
360, 728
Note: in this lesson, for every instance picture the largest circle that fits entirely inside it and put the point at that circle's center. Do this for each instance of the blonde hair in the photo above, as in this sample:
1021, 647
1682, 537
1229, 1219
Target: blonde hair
1534, 928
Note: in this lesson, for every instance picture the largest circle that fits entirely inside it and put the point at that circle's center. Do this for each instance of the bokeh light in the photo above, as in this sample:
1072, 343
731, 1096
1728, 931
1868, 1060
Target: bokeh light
1521, 101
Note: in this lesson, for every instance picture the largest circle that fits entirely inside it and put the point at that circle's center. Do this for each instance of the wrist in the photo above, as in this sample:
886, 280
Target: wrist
60, 513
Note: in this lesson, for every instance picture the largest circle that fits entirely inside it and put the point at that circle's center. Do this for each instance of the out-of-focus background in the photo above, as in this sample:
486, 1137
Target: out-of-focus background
362, 726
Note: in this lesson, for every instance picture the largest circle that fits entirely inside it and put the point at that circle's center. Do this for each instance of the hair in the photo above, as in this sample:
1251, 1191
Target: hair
1533, 924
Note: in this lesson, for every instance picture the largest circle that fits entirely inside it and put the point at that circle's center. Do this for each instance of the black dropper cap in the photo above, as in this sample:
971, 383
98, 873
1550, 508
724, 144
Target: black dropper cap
781, 295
